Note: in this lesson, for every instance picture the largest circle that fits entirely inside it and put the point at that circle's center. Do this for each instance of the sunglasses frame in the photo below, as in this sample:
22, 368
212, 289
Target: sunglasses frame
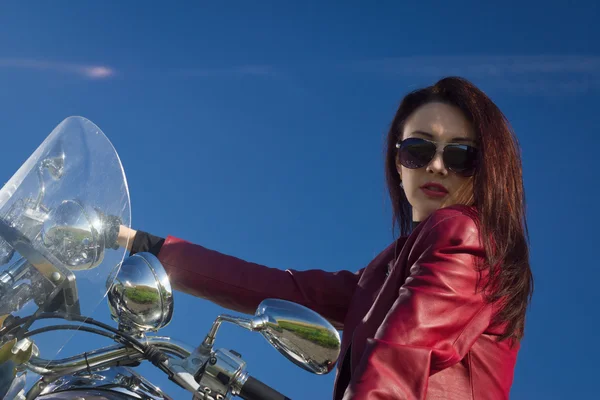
440, 147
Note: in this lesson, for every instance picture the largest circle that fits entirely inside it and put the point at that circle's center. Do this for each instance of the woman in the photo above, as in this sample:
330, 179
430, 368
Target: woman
438, 314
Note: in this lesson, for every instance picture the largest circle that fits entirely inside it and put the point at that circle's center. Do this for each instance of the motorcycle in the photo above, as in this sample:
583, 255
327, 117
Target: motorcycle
59, 217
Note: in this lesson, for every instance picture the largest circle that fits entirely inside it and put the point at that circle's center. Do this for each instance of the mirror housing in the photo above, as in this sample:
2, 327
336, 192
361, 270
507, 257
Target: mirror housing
300, 334
75, 235
140, 298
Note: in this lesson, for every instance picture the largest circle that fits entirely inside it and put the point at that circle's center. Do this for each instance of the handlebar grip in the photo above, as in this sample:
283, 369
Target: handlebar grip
254, 389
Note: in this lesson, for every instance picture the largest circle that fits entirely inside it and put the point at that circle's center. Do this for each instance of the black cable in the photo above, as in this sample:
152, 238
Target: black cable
79, 318
40, 309
68, 328
71, 328
52, 377
154, 355
91, 321
15, 322
87, 363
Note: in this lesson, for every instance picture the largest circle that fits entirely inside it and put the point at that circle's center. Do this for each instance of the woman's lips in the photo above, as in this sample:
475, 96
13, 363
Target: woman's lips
435, 190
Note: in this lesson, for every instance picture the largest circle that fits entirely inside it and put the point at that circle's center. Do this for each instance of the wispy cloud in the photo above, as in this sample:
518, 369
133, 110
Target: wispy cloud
530, 74
99, 72
520, 74
82, 70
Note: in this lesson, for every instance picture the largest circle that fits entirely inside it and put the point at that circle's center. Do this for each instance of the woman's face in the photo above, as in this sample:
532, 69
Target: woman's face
443, 124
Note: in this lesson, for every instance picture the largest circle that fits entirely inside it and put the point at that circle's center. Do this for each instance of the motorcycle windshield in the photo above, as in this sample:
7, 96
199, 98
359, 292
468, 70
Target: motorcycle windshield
59, 215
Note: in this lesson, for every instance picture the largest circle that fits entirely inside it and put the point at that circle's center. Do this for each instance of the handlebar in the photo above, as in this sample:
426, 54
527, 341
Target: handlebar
106, 356
253, 389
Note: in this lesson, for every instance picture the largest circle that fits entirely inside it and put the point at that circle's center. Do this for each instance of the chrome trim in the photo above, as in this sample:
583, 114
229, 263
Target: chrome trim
222, 374
118, 379
238, 384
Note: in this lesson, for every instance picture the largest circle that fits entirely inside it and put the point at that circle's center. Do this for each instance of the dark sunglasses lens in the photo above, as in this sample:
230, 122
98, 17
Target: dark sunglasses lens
461, 159
416, 153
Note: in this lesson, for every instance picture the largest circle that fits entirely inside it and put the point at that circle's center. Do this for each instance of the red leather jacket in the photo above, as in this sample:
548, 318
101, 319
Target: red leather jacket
413, 328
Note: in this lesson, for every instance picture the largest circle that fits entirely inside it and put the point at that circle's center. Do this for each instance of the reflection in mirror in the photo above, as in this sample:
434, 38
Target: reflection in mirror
300, 334
74, 235
140, 296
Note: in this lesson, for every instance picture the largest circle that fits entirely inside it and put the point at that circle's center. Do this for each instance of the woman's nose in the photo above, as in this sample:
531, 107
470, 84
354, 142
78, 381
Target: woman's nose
436, 166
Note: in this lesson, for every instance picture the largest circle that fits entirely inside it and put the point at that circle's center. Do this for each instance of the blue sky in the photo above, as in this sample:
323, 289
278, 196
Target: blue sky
257, 130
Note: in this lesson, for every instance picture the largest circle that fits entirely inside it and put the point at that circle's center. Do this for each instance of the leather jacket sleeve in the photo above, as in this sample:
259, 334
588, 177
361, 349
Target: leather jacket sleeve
240, 285
435, 319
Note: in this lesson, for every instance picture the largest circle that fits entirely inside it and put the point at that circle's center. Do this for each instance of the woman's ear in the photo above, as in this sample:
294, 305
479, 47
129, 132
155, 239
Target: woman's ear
399, 168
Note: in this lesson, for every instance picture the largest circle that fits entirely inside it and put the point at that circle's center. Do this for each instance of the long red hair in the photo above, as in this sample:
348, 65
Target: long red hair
498, 195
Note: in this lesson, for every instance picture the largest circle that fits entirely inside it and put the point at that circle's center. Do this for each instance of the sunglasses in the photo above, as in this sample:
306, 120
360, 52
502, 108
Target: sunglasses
417, 153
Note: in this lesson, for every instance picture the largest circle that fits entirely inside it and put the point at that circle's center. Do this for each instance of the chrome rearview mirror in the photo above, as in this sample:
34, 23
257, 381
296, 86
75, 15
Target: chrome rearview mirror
140, 298
74, 234
300, 334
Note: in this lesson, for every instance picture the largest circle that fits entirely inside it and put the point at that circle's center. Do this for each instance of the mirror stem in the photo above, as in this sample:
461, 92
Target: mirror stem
254, 324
